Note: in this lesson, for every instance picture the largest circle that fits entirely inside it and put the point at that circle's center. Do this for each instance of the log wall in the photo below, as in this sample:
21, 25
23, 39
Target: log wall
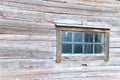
28, 39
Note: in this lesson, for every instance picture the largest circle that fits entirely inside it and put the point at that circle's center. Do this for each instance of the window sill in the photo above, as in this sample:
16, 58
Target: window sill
81, 57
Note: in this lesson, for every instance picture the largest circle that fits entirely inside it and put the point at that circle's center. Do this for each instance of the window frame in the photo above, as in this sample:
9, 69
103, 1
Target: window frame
63, 57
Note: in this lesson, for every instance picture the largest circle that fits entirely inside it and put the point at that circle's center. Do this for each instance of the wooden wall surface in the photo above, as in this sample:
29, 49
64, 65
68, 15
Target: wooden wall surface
28, 39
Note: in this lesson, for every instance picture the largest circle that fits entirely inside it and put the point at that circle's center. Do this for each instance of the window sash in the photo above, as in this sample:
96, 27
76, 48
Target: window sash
83, 43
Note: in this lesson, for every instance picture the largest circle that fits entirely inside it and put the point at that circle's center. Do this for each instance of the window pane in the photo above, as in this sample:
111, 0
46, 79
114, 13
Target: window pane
88, 37
66, 48
88, 48
98, 48
66, 36
99, 37
78, 37
78, 48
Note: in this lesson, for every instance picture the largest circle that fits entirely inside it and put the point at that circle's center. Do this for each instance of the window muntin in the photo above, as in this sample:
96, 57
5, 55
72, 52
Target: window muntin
79, 42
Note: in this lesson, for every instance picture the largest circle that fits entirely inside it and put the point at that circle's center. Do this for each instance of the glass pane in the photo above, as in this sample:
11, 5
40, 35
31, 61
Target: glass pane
78, 48
66, 36
99, 37
98, 48
66, 48
78, 36
88, 48
88, 37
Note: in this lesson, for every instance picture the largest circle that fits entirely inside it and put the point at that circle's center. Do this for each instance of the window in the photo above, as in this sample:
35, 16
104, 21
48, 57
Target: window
75, 42
82, 43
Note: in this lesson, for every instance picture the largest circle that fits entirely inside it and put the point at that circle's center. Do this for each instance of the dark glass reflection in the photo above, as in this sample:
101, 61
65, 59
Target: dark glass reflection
66, 36
66, 48
78, 37
88, 48
78, 48
88, 37
99, 37
98, 48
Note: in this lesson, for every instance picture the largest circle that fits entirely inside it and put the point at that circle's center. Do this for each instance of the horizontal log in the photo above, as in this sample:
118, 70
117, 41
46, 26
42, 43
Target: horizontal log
114, 50
114, 44
50, 62
116, 40
15, 37
45, 31
29, 47
44, 17
19, 30
116, 54
26, 54
113, 60
23, 15
35, 42
66, 2
25, 63
58, 9
28, 42
40, 40
88, 78
25, 24
7, 22
100, 3
55, 70
61, 73
33, 16
4, 23
35, 25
